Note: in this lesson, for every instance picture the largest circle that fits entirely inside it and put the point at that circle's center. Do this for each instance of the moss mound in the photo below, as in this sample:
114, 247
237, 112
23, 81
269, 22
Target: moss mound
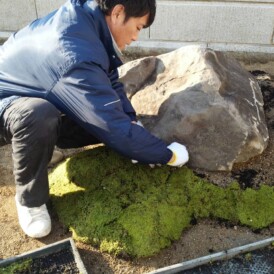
123, 208
22, 266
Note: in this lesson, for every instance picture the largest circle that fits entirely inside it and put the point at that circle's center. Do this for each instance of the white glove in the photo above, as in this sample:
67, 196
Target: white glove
180, 155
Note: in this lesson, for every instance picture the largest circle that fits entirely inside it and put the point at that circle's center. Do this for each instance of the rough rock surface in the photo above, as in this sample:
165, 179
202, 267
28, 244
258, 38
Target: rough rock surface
203, 99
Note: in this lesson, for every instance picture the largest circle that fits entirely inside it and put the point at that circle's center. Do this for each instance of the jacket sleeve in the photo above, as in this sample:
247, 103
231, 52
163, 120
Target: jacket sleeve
86, 95
119, 88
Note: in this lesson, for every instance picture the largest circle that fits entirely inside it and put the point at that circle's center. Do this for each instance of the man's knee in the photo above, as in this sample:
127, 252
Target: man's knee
38, 117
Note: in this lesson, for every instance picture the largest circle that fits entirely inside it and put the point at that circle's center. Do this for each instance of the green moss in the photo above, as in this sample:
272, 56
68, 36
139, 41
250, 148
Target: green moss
256, 208
21, 266
248, 256
119, 207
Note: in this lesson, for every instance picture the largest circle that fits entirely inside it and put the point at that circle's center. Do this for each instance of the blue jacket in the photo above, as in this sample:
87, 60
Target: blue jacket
67, 58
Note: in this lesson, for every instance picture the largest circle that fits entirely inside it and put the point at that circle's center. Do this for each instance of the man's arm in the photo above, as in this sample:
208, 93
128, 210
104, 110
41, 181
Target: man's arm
119, 88
86, 95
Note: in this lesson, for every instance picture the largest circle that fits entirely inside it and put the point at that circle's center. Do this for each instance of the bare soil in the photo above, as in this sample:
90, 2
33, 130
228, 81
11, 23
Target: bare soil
203, 238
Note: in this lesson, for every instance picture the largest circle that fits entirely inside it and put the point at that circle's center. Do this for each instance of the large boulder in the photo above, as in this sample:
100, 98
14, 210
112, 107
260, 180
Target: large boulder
203, 99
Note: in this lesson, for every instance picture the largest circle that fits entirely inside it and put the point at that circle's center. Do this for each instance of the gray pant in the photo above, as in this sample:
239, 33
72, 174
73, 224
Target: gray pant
34, 126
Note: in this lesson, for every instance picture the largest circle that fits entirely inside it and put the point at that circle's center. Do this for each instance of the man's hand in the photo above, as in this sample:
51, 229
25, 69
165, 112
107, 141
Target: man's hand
139, 123
151, 165
180, 155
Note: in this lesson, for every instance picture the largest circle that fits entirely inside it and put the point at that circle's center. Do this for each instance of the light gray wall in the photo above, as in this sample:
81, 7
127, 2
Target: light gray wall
236, 25
16, 14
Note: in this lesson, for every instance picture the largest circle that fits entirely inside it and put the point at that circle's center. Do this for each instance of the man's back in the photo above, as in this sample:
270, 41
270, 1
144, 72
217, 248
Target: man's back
35, 58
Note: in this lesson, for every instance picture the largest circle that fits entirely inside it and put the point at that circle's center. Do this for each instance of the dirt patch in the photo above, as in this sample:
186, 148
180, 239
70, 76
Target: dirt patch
203, 238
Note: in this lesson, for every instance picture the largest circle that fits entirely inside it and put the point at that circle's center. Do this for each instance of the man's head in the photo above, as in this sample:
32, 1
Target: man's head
125, 18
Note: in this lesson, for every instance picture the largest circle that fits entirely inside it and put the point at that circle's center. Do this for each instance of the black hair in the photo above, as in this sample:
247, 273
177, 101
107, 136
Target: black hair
133, 8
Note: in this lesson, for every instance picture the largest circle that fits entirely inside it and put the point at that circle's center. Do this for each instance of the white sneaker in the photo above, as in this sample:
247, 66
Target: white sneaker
35, 221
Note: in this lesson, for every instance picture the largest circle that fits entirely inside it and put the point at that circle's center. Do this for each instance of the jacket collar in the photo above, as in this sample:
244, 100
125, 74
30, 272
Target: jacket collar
103, 31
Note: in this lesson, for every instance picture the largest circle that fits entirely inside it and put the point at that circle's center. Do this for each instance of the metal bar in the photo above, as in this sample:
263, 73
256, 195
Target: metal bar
227, 254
